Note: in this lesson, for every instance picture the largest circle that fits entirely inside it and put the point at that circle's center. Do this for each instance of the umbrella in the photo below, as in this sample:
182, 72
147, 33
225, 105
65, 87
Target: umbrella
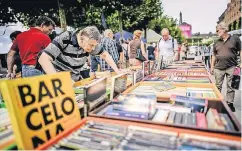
127, 35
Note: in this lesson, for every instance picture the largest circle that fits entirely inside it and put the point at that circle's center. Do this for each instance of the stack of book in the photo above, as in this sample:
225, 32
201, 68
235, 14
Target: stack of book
175, 79
196, 105
143, 89
173, 73
194, 73
192, 112
182, 79
160, 87
200, 92
6, 132
132, 106
200, 120
93, 136
196, 142
106, 136
197, 80
154, 78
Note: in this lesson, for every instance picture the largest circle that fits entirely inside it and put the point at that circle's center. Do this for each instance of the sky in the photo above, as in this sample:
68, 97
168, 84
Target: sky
201, 14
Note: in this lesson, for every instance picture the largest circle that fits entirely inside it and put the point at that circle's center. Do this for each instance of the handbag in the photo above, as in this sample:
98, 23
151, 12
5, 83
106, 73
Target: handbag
139, 56
236, 78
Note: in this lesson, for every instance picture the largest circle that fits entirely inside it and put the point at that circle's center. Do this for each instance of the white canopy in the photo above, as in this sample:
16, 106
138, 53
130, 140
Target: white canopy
152, 36
5, 31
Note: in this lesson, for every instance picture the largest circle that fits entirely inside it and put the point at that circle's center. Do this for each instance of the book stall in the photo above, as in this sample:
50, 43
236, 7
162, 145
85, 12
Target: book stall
152, 107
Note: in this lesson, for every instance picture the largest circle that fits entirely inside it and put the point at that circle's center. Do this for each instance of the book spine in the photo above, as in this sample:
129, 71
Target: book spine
185, 118
161, 116
131, 108
178, 118
171, 117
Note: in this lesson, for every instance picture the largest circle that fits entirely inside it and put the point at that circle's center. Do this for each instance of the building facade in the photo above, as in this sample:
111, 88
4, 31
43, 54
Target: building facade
232, 15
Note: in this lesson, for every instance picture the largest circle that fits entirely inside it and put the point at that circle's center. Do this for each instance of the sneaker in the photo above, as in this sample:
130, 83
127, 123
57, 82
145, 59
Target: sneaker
231, 106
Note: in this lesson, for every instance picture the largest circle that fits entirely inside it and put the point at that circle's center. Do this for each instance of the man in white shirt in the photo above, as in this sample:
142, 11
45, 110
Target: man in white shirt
167, 47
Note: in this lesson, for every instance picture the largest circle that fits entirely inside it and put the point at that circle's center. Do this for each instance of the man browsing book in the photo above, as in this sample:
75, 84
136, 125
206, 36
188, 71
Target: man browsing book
70, 52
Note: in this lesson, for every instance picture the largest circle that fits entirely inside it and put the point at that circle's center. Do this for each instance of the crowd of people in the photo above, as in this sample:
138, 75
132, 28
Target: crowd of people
82, 52
85, 51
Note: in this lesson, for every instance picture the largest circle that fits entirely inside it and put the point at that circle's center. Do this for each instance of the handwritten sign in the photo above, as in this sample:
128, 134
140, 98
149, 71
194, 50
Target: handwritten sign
40, 108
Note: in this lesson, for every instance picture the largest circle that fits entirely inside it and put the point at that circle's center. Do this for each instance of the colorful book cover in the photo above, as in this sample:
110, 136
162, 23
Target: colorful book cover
171, 107
196, 105
201, 120
134, 102
40, 108
214, 120
136, 115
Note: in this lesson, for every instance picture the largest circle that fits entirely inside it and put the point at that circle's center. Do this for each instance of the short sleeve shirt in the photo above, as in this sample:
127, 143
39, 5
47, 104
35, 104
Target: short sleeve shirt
226, 52
29, 44
109, 46
166, 48
68, 56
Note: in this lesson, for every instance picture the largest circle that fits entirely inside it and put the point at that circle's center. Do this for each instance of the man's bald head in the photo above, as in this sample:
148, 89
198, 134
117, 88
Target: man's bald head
165, 33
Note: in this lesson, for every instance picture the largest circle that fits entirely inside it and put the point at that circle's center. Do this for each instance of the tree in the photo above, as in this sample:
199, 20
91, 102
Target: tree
71, 11
134, 14
130, 15
166, 22
6, 14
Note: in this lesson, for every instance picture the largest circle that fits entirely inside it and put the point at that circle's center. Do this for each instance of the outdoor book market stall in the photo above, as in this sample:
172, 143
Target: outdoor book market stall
128, 111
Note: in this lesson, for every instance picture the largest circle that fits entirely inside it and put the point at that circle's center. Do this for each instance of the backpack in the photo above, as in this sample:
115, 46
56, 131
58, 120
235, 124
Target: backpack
68, 42
172, 43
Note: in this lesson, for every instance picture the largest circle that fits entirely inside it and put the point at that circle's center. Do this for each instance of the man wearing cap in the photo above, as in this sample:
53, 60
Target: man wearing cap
70, 52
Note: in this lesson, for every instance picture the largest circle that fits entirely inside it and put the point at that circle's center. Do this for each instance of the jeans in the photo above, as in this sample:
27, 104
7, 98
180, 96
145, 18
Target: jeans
30, 71
207, 61
219, 78
151, 57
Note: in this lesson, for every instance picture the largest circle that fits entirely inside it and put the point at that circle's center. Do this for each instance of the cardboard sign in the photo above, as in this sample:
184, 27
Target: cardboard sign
119, 84
40, 108
95, 93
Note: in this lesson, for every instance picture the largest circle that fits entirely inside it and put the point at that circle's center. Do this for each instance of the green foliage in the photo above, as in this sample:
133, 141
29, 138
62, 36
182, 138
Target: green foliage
134, 14
165, 22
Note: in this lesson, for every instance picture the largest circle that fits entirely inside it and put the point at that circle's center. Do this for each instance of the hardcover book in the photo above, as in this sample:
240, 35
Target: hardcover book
196, 105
